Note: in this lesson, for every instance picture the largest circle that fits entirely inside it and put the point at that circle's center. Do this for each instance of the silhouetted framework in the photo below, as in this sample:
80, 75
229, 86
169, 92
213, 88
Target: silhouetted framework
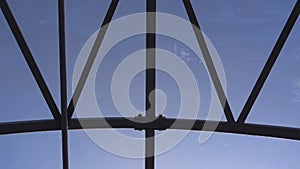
62, 120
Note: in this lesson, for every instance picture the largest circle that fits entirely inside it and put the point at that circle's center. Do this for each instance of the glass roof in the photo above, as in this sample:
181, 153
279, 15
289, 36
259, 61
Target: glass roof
241, 36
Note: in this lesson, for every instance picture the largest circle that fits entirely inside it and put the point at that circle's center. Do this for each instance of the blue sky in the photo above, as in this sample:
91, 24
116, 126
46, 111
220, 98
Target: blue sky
243, 33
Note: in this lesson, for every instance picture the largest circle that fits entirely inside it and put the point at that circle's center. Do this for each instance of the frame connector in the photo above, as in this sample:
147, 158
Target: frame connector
144, 122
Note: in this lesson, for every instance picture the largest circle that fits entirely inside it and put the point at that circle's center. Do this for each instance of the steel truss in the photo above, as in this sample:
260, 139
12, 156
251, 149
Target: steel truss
63, 118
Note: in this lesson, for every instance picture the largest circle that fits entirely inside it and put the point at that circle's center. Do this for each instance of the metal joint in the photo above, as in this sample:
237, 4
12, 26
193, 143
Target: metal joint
146, 122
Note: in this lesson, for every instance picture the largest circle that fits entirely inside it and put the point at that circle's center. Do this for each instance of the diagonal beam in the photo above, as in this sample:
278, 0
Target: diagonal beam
29, 59
150, 81
270, 63
92, 56
208, 61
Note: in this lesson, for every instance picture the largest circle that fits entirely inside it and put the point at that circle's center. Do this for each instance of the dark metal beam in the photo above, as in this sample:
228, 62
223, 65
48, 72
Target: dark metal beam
159, 124
92, 56
29, 59
63, 83
150, 81
208, 61
270, 63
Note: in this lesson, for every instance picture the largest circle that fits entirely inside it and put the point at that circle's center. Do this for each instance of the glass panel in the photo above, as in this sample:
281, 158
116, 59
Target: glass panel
172, 7
84, 153
79, 36
243, 33
38, 23
106, 71
31, 150
129, 7
278, 103
20, 96
81, 22
170, 85
229, 151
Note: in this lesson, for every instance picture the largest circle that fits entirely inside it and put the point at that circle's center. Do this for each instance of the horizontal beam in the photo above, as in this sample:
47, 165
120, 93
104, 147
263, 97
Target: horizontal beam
158, 124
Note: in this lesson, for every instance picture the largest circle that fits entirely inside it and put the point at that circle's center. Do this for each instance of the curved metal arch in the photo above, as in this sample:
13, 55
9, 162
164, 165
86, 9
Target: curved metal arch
158, 124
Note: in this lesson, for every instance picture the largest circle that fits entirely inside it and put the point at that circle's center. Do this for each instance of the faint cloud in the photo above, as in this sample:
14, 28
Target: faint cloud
239, 10
225, 144
174, 46
297, 53
15, 164
42, 22
221, 40
185, 55
296, 91
192, 94
258, 58
182, 53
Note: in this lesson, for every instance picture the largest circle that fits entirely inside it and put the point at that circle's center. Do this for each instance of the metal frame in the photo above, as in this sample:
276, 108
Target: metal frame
150, 81
63, 119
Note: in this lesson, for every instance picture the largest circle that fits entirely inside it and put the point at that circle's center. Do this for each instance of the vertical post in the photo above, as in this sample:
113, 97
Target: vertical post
150, 81
63, 83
